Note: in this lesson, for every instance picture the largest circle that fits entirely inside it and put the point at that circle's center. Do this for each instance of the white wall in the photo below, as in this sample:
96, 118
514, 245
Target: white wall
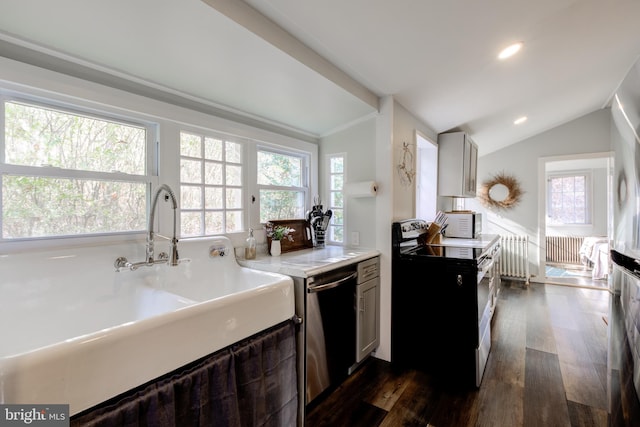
395, 200
384, 214
405, 125
587, 134
358, 145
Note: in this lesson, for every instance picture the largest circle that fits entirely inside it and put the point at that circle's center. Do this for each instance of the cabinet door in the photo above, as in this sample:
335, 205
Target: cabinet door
457, 165
367, 323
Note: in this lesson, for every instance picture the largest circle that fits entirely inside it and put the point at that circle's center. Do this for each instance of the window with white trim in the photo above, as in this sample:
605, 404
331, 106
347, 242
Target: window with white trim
68, 172
282, 182
568, 199
337, 173
211, 184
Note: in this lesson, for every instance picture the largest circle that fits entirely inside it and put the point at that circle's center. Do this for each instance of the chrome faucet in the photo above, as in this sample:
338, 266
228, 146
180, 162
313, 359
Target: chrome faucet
173, 258
173, 247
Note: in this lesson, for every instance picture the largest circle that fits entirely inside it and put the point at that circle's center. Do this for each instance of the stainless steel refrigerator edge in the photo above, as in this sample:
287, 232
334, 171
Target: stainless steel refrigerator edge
624, 363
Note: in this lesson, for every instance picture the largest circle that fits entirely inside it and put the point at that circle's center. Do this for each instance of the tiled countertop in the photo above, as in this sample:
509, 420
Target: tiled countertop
309, 262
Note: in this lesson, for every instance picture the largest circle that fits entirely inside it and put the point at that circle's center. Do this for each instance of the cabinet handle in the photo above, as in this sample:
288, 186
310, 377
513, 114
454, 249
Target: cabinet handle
363, 305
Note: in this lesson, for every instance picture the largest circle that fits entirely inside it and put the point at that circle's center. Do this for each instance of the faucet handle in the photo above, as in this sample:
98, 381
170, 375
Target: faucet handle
122, 262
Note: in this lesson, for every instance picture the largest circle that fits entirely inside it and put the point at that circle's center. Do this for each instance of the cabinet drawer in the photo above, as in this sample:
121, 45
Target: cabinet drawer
369, 269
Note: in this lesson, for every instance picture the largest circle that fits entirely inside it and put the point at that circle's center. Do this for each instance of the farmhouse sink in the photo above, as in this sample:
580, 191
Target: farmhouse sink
77, 332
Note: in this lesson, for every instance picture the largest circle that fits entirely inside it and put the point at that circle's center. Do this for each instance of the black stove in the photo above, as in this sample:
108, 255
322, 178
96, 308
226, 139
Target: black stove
443, 298
408, 241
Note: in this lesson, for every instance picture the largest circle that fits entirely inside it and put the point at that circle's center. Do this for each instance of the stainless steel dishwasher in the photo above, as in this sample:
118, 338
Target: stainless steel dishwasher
331, 328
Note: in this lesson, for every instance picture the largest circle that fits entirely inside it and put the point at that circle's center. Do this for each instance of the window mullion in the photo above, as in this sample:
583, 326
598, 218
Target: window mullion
54, 172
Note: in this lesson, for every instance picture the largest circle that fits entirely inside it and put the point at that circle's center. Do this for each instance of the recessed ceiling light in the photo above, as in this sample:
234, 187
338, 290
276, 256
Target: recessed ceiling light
520, 120
509, 51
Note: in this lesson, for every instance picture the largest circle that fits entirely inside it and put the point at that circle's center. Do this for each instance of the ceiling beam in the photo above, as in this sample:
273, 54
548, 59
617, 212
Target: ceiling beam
248, 17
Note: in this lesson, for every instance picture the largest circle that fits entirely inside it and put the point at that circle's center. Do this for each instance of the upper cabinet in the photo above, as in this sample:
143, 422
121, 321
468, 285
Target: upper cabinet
457, 165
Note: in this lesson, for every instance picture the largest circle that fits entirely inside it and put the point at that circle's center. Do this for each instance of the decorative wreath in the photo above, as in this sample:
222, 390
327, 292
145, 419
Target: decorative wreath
513, 197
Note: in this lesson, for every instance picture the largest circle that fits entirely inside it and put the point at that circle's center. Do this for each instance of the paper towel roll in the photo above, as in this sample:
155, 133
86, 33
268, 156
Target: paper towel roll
361, 189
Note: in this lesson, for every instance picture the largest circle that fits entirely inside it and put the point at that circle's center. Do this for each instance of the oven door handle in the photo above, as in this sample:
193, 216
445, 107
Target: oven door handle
331, 285
485, 265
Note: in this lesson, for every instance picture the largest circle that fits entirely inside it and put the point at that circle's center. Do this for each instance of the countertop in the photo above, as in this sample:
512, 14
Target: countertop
309, 262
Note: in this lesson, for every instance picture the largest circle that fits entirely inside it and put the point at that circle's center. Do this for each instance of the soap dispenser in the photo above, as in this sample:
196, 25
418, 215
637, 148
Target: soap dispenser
250, 246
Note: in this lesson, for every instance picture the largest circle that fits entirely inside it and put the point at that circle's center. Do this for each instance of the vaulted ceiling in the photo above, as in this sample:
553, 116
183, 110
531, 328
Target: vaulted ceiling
310, 68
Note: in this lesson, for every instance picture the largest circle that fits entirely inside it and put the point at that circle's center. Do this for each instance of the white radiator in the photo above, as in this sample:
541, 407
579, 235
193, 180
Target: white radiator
564, 249
515, 256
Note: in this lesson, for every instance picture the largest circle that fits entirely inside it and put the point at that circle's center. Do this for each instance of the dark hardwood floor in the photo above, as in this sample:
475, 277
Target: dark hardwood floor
547, 367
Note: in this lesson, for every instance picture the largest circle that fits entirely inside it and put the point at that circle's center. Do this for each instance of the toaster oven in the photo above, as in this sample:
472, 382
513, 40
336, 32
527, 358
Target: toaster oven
466, 225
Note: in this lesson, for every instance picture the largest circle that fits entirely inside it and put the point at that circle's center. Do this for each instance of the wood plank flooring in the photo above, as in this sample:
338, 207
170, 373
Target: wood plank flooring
547, 367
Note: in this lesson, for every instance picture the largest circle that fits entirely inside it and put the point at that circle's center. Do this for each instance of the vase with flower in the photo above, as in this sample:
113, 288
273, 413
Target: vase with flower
277, 233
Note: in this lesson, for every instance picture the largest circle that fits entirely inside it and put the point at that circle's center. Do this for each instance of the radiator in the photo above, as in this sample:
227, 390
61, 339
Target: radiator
515, 256
564, 249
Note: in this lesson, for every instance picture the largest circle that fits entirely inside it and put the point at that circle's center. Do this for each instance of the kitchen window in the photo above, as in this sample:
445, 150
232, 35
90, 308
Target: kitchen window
282, 182
337, 173
67, 172
220, 177
568, 199
211, 184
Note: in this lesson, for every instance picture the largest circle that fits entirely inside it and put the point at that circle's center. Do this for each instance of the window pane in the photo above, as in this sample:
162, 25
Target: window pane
337, 199
190, 171
281, 204
337, 182
336, 234
214, 223
39, 206
213, 173
234, 221
190, 224
337, 217
279, 169
37, 136
337, 164
213, 198
568, 201
234, 198
233, 152
190, 145
190, 197
212, 149
234, 175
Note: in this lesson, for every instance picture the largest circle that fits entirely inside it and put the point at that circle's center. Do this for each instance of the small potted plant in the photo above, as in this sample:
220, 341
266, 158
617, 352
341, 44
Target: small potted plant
277, 233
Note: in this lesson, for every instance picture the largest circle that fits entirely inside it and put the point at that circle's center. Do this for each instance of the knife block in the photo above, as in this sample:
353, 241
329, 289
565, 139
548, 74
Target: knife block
432, 236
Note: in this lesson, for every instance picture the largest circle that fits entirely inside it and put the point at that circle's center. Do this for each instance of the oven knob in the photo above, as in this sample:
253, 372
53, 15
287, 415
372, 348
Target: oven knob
459, 281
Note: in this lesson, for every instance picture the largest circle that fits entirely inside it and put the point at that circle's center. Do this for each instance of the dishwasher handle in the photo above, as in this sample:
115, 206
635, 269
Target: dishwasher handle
331, 285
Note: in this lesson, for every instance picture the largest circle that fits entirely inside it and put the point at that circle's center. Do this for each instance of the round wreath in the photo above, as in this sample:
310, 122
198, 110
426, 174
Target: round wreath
513, 197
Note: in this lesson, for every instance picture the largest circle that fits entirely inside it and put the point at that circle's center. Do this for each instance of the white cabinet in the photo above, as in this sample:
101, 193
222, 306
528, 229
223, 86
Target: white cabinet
457, 165
368, 306
367, 321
